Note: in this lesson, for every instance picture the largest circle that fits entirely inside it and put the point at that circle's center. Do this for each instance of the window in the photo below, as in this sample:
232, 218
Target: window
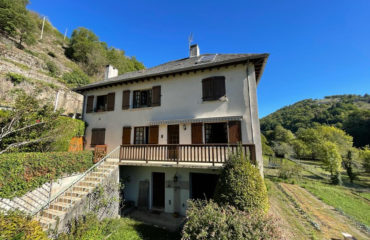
101, 103
141, 135
142, 98
97, 136
213, 88
105, 102
215, 132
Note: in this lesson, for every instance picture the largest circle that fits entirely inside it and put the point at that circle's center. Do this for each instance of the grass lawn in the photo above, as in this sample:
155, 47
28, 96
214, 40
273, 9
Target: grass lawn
134, 230
342, 199
352, 199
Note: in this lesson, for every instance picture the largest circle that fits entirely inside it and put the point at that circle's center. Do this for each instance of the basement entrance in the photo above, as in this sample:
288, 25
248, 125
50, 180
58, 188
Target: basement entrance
203, 185
158, 190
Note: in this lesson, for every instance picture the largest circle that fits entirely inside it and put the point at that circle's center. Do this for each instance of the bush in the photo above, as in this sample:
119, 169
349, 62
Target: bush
241, 185
16, 78
52, 68
17, 226
23, 172
76, 78
72, 128
51, 54
288, 171
207, 220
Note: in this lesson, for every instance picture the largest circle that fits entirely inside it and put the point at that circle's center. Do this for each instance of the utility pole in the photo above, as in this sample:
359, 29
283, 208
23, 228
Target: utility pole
42, 28
65, 34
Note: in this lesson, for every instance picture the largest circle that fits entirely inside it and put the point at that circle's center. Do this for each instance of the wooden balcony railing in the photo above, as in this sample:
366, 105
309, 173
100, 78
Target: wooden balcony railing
184, 153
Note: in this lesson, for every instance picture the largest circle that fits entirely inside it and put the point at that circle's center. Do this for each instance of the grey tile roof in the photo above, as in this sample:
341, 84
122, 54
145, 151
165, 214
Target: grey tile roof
183, 65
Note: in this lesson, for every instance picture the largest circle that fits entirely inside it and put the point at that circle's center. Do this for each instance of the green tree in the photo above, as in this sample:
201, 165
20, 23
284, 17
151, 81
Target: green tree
266, 149
357, 125
283, 135
15, 21
332, 160
365, 156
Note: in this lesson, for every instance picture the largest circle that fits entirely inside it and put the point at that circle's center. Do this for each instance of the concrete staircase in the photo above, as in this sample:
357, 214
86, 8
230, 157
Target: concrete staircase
63, 203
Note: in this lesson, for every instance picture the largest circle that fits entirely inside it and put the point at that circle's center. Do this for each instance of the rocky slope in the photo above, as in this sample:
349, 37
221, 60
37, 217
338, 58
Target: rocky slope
38, 69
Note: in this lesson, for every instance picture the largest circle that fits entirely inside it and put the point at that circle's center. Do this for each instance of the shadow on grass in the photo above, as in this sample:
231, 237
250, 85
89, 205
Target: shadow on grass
148, 232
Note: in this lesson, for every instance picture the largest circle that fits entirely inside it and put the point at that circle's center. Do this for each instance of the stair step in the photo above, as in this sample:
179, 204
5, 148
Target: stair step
77, 194
60, 206
98, 174
46, 222
96, 179
82, 189
89, 183
53, 214
68, 199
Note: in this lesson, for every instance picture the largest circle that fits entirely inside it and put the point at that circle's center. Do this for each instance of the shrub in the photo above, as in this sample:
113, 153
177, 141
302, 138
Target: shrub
241, 185
207, 220
51, 54
23, 172
76, 78
288, 171
16, 78
17, 226
52, 68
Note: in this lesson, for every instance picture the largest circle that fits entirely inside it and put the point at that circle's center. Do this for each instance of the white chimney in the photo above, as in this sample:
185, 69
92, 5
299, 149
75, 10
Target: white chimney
194, 50
110, 72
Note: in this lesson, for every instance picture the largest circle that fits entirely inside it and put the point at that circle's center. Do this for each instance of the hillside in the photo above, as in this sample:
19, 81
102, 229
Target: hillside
348, 112
52, 65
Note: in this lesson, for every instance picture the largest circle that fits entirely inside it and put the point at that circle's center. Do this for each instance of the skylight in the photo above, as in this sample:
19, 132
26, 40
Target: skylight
207, 58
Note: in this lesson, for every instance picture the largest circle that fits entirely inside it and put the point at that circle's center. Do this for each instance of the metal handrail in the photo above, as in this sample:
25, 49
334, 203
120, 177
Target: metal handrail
65, 189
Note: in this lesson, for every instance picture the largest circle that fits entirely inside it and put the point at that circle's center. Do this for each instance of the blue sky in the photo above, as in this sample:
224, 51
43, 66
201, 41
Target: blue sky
317, 48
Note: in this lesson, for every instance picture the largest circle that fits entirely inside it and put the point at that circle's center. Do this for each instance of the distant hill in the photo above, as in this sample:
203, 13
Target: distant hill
348, 112
54, 63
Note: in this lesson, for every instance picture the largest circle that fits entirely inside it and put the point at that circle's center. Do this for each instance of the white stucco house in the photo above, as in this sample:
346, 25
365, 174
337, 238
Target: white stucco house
176, 123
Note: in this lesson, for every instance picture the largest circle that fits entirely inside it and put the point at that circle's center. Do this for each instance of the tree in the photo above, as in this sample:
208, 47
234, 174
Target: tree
29, 124
357, 125
283, 135
335, 135
312, 141
348, 163
241, 185
332, 160
266, 149
15, 21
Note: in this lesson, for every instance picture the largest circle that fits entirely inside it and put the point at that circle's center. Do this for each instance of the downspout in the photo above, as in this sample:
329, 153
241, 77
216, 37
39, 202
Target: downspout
250, 106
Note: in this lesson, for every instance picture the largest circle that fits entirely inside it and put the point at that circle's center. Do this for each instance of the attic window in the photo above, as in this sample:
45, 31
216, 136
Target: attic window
207, 58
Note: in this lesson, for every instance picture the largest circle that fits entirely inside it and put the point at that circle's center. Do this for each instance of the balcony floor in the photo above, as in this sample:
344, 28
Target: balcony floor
168, 164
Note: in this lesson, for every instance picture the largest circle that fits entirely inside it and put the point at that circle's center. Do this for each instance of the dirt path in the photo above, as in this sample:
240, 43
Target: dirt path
331, 223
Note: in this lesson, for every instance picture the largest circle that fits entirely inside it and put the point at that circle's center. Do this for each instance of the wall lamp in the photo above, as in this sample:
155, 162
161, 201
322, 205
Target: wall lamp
184, 126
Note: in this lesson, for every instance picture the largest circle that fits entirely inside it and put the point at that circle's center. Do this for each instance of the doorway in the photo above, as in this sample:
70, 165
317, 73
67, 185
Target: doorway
173, 138
203, 185
158, 190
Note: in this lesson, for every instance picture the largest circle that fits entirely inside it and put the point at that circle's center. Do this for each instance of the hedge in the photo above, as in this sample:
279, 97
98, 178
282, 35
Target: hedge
70, 128
23, 172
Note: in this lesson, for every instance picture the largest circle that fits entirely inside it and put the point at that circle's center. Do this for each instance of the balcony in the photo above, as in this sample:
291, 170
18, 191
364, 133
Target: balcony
182, 154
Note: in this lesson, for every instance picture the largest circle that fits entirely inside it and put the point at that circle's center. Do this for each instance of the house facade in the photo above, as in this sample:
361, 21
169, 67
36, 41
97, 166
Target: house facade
175, 124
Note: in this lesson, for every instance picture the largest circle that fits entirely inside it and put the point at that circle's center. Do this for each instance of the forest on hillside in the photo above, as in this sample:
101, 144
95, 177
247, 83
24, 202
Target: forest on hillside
350, 113
334, 130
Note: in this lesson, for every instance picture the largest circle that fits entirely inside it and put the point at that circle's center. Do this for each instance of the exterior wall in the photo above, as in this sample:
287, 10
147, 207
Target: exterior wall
182, 99
175, 197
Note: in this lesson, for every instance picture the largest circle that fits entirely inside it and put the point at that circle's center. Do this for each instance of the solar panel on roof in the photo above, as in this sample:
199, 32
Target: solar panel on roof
207, 58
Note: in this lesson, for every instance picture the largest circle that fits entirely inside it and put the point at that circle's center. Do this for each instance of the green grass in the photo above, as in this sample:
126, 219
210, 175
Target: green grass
134, 230
342, 199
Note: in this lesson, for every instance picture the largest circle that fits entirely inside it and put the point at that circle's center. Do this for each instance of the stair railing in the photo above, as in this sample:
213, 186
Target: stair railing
69, 186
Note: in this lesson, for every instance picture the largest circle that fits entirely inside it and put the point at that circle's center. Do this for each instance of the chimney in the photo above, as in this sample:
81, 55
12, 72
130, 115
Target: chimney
110, 72
194, 50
